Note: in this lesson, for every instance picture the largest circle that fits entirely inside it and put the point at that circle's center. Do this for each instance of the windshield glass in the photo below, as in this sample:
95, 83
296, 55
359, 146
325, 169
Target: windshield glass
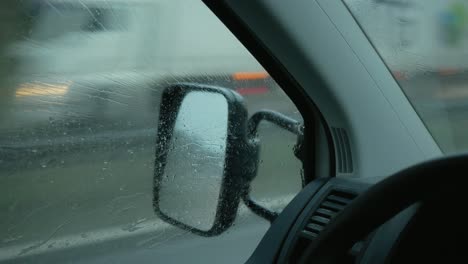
424, 44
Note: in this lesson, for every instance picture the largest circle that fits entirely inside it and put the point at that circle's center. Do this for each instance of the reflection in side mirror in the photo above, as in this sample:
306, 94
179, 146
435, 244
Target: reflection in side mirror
192, 180
199, 174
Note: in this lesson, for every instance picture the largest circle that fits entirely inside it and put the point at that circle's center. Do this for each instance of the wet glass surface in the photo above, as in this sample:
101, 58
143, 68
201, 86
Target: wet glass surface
425, 45
80, 87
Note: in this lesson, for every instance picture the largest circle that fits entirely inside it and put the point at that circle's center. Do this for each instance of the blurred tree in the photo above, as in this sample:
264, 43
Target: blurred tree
454, 21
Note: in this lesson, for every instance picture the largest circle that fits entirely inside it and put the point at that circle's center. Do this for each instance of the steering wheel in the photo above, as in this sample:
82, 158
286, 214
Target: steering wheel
423, 182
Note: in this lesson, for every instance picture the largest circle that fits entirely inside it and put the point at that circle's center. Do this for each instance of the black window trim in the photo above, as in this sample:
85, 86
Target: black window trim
308, 109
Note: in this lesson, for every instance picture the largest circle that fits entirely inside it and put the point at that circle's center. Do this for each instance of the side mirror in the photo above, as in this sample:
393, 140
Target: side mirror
204, 159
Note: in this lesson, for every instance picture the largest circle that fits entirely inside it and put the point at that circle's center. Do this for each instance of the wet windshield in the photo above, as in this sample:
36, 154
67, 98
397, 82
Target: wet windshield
80, 91
425, 45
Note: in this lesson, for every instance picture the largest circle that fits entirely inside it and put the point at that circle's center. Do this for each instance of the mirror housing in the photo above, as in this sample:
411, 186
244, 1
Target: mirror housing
240, 157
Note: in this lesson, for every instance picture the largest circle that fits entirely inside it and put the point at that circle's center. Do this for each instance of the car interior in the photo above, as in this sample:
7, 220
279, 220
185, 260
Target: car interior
378, 182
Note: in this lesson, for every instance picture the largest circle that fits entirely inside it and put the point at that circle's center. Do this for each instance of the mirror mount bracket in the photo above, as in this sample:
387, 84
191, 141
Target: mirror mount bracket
284, 122
276, 118
257, 208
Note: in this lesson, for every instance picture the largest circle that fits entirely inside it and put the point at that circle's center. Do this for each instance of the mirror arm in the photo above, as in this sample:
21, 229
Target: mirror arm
258, 209
286, 123
276, 118
282, 121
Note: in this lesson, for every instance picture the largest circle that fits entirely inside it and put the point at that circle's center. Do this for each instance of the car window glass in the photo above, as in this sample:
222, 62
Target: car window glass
80, 88
425, 45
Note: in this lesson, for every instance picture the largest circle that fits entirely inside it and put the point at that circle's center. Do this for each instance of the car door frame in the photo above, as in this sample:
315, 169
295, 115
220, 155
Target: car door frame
317, 148
316, 63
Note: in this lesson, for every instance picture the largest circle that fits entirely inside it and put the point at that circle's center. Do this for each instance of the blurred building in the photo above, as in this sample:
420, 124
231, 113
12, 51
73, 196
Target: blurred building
102, 63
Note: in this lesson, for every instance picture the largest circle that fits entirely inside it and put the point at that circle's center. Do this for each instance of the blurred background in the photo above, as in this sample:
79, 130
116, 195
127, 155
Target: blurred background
80, 86
425, 45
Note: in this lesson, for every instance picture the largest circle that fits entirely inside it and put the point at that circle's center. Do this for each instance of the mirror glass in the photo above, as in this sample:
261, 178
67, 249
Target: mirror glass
191, 185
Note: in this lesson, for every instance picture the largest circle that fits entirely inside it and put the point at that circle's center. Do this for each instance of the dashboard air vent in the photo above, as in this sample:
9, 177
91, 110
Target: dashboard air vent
344, 159
333, 204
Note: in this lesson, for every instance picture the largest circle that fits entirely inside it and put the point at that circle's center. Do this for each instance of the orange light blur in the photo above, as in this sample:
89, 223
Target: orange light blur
249, 75
448, 71
42, 89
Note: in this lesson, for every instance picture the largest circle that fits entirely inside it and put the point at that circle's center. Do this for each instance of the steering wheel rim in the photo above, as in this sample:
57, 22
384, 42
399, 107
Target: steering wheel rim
373, 207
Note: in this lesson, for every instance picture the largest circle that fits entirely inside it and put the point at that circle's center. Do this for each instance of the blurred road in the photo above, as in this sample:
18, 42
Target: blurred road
61, 191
